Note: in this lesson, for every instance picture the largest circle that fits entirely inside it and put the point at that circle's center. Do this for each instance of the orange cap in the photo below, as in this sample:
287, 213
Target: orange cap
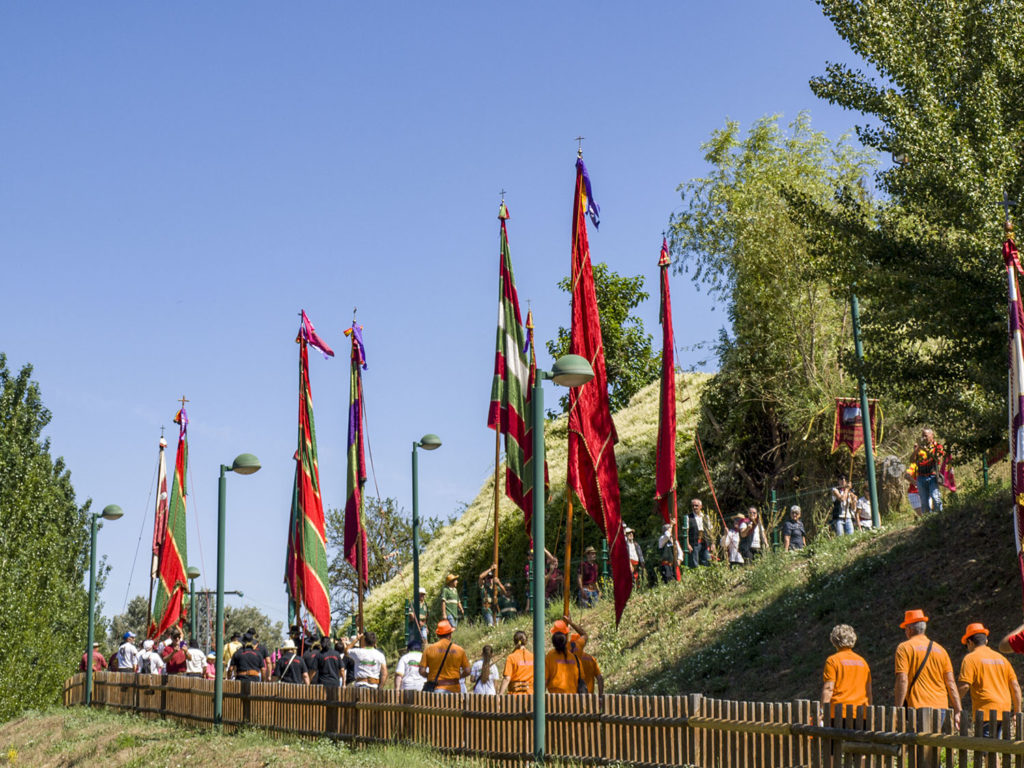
560, 626
912, 617
577, 640
974, 628
444, 627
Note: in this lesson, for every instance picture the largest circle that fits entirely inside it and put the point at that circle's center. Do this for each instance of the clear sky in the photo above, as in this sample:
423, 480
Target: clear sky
178, 180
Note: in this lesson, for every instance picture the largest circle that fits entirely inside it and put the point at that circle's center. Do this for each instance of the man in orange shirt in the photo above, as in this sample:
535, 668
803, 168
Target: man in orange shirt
517, 678
444, 662
988, 676
589, 667
847, 675
562, 667
924, 673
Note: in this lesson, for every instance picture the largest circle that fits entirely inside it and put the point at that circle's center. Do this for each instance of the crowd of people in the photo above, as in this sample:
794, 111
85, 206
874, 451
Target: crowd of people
924, 673
441, 667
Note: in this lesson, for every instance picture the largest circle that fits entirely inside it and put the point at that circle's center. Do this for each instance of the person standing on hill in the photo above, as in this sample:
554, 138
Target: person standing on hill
731, 542
928, 454
636, 554
444, 663
490, 587
418, 616
698, 533
793, 533
670, 554
988, 676
844, 506
562, 669
586, 579
451, 605
924, 673
847, 677
517, 678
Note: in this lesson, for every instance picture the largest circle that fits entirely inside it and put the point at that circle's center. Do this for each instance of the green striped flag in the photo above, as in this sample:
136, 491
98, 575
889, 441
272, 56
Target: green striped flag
173, 558
509, 410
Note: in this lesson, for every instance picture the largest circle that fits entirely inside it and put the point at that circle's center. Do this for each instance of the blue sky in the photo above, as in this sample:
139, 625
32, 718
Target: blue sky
179, 180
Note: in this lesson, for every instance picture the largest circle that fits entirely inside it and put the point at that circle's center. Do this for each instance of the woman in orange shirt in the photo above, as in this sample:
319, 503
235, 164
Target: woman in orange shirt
518, 674
561, 665
847, 675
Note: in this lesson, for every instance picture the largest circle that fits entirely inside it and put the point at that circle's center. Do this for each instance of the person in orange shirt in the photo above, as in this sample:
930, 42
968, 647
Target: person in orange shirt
589, 667
924, 673
444, 662
562, 667
847, 675
517, 678
988, 676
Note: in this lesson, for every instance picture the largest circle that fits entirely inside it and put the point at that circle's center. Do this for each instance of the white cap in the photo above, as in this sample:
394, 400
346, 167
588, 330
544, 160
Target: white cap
423, 590
148, 645
289, 645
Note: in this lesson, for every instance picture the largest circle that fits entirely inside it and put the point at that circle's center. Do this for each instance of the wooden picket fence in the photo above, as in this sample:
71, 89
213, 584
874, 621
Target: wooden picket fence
652, 731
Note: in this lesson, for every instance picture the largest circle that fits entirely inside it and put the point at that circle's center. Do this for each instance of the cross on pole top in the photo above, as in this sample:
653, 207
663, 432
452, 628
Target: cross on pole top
1006, 204
503, 195
184, 400
579, 152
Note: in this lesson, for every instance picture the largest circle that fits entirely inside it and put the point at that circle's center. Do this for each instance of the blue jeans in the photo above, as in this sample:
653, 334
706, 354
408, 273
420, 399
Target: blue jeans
843, 527
452, 620
700, 554
928, 490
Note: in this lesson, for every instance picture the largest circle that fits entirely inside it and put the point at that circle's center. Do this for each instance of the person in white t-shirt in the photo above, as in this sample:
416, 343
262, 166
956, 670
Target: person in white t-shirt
371, 667
149, 661
127, 653
483, 675
195, 660
731, 543
407, 673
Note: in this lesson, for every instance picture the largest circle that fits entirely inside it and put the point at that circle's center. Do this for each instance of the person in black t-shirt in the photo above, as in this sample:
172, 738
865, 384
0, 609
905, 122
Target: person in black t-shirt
312, 658
290, 667
247, 663
350, 665
331, 664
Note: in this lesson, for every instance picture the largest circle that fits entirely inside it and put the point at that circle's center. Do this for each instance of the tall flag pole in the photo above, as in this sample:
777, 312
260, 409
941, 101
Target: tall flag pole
159, 523
355, 532
172, 584
1016, 395
509, 413
665, 479
592, 472
306, 560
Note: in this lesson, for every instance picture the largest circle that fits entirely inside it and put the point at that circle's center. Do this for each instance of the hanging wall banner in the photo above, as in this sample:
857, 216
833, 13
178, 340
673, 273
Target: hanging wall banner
849, 427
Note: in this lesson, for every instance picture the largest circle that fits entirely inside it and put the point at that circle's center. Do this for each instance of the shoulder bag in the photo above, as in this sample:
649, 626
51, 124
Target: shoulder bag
431, 685
917, 674
581, 684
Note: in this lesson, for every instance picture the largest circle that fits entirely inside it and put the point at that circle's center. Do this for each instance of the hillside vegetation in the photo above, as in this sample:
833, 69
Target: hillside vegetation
761, 633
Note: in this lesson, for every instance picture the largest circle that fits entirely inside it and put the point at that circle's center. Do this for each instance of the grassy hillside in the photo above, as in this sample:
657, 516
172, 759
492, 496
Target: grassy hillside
761, 633
465, 547
83, 739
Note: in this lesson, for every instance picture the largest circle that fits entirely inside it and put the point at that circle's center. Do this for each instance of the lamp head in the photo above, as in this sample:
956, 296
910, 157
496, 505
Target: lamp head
111, 512
429, 442
572, 371
245, 464
192, 572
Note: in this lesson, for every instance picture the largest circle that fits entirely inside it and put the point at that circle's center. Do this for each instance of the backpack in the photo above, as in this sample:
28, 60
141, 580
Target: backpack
145, 665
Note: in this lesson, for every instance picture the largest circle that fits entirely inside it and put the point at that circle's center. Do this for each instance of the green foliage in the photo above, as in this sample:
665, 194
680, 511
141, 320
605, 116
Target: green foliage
780, 358
941, 88
44, 541
389, 547
133, 619
243, 618
629, 357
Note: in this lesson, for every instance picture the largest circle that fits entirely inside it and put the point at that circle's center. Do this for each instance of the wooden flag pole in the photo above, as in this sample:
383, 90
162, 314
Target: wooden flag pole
497, 487
568, 553
359, 576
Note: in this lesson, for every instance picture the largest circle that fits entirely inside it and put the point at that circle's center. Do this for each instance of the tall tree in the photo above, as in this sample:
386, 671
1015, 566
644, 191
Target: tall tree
630, 360
940, 90
742, 239
44, 542
132, 620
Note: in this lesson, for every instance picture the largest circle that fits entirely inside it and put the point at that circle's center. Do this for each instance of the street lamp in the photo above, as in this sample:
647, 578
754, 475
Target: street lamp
428, 442
244, 464
193, 573
110, 512
568, 371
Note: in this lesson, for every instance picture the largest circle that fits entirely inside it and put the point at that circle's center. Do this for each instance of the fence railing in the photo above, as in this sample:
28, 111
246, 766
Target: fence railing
690, 730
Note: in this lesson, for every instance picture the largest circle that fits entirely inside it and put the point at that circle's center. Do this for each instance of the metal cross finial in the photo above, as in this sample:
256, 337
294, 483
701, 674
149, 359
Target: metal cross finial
1007, 203
354, 313
161, 432
184, 400
579, 152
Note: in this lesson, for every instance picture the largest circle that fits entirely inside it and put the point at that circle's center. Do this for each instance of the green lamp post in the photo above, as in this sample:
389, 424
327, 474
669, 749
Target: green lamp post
110, 512
428, 442
568, 371
193, 573
244, 464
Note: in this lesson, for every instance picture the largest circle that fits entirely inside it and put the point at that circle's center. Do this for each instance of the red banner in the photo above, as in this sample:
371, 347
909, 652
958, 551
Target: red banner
849, 426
